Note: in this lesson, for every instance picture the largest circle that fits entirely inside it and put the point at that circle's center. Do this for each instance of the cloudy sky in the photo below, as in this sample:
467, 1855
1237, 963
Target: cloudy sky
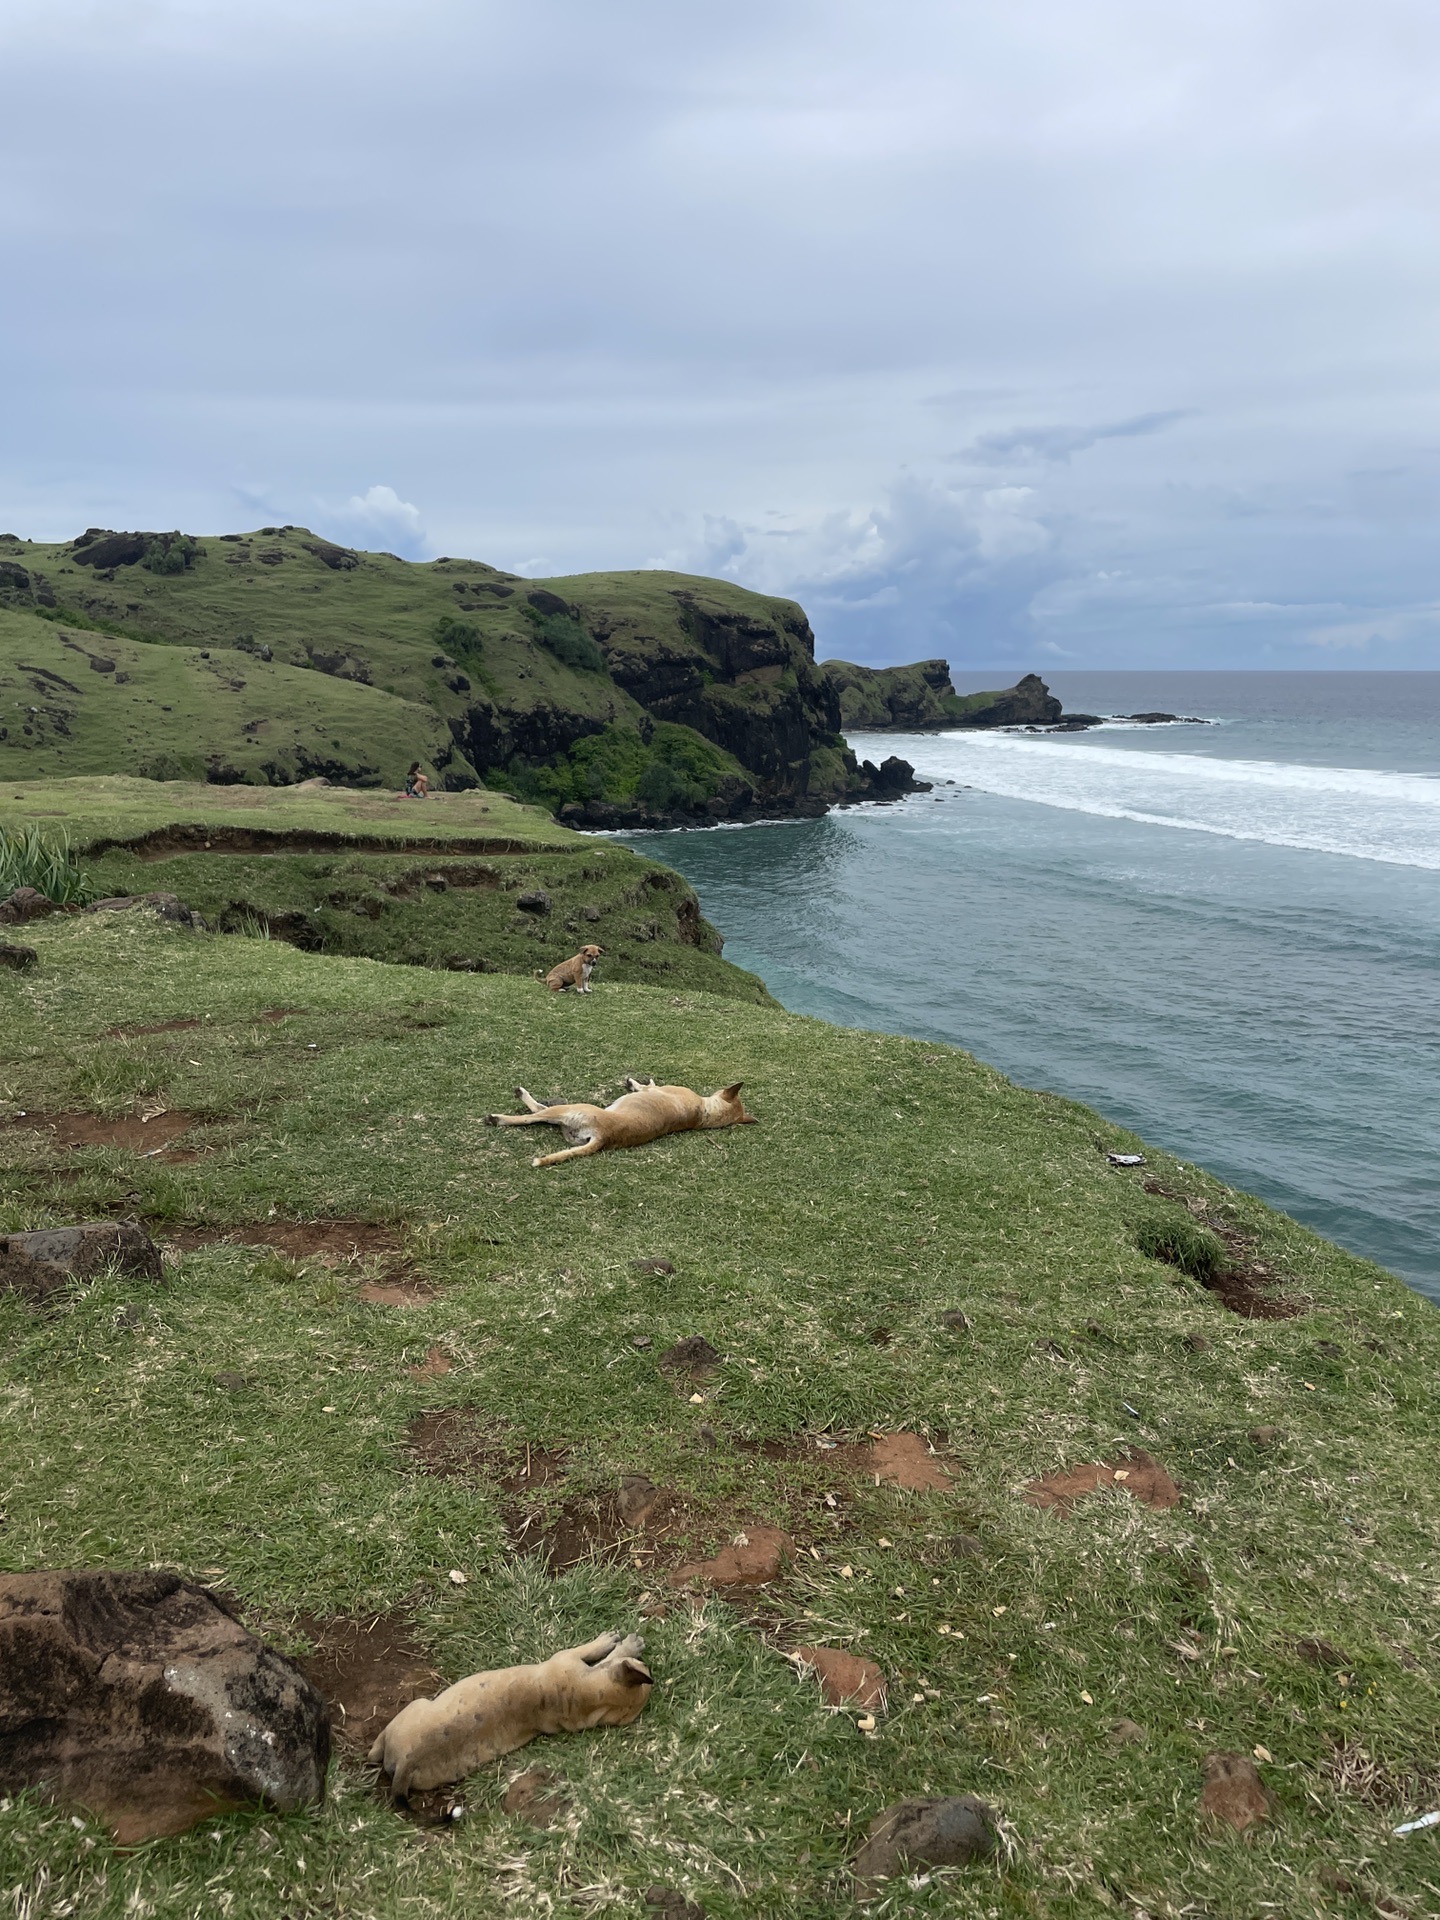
1031, 332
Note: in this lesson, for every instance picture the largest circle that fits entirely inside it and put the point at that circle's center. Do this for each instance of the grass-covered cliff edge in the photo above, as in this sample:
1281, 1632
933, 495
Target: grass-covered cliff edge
274, 656
376, 1319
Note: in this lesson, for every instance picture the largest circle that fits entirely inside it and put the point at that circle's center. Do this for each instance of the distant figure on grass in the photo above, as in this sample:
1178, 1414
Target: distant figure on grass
416, 784
574, 972
644, 1112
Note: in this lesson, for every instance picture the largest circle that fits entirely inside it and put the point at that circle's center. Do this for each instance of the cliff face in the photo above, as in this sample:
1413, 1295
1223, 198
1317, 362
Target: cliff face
915, 698
518, 674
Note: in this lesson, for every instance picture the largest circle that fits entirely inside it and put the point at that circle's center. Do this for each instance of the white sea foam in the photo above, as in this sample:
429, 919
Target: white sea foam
1355, 811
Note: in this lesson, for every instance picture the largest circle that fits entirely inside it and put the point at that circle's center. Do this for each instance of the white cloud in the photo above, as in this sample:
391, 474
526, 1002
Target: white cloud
376, 518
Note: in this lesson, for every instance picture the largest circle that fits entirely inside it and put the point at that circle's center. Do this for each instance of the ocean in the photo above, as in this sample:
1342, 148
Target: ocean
1226, 937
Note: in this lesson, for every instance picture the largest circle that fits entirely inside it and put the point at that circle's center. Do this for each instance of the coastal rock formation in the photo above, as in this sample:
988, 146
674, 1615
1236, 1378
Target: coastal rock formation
138, 1697
915, 698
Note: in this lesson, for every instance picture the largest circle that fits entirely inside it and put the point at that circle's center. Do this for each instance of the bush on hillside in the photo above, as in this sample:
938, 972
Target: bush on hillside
455, 637
674, 770
169, 553
563, 635
1179, 1242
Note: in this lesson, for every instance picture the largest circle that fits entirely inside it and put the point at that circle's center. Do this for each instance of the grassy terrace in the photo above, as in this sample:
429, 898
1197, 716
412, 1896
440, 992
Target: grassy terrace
431, 883
260, 1420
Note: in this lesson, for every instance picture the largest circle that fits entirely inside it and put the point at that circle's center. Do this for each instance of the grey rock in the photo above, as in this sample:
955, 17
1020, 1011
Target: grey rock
915, 1834
37, 1264
19, 959
139, 1697
537, 901
693, 1354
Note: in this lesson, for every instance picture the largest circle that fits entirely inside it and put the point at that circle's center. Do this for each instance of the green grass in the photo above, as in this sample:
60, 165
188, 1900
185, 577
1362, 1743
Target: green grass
889, 1181
72, 705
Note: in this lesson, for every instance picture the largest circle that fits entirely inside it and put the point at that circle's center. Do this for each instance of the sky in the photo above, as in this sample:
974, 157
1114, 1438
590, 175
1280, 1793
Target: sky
1066, 333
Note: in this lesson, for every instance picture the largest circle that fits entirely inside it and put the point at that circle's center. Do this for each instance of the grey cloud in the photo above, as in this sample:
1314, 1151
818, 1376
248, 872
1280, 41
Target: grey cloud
1020, 444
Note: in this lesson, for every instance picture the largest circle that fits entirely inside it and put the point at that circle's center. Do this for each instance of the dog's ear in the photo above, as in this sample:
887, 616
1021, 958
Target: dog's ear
633, 1673
732, 1093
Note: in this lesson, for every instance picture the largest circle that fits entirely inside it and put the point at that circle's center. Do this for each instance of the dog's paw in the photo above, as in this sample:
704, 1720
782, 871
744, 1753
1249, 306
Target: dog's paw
492, 1119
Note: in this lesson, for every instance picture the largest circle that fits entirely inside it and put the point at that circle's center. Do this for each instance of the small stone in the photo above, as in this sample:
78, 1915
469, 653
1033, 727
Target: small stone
956, 1321
1126, 1733
1234, 1792
652, 1266
232, 1382
590, 913
536, 901
19, 959
641, 1341
965, 1546
915, 1834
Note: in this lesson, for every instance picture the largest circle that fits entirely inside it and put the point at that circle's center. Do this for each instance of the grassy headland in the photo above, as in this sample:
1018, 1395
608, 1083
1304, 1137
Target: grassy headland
332, 1437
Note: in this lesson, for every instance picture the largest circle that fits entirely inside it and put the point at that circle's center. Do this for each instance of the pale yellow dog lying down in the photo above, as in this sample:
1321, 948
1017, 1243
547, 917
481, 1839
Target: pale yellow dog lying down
432, 1742
642, 1113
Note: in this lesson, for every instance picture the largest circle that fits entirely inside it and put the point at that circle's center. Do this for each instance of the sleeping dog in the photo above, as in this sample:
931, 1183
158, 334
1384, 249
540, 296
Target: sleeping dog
642, 1113
432, 1742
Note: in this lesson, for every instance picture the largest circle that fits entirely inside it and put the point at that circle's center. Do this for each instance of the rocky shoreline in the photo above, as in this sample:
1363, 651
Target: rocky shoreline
738, 804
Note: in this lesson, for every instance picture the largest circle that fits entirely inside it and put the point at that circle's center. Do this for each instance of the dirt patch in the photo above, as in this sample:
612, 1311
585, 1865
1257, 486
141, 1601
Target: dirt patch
160, 1026
903, 1460
459, 1443
368, 1669
529, 1795
329, 1241
1135, 1473
1247, 1286
436, 1362
845, 1679
1234, 1794
165, 841
152, 1138
274, 1015
397, 1293
754, 1556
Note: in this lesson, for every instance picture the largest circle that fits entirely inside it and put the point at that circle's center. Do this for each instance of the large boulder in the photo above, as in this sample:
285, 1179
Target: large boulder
37, 1264
916, 1834
140, 1698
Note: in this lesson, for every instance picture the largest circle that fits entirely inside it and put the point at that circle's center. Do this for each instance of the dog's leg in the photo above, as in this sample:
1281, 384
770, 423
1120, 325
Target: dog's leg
593, 1145
630, 1648
595, 1651
634, 1085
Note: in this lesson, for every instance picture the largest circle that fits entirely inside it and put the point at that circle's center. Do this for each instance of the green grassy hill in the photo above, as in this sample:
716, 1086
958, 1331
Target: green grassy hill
435, 883
332, 1421
704, 697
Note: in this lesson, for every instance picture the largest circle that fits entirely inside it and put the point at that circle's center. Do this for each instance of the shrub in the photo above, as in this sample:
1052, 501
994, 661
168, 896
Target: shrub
168, 553
563, 635
1179, 1242
29, 860
454, 636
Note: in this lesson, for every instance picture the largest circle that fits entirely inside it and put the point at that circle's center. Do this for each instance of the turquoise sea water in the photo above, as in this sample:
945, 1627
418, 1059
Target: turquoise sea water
1226, 937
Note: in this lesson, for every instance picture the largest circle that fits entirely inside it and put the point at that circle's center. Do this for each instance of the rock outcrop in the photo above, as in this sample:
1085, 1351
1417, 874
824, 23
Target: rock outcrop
139, 1698
916, 698
38, 1264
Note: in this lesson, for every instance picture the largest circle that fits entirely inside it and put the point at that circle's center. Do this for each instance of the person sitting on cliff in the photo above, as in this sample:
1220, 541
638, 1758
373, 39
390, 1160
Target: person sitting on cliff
416, 784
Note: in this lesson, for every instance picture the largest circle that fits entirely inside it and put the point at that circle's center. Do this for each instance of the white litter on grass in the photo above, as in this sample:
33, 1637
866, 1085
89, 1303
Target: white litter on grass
1418, 1826
1126, 1159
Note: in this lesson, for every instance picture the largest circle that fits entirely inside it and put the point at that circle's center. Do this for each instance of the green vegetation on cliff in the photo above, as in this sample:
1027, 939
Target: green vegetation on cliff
905, 1244
921, 696
450, 661
433, 883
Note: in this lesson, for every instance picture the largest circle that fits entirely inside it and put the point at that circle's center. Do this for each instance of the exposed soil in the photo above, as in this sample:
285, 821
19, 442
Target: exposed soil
845, 1679
131, 1134
274, 1015
368, 1669
529, 1794
1247, 1287
903, 1460
755, 1555
160, 1026
436, 1362
1135, 1473
1234, 1792
329, 1241
398, 1293
165, 841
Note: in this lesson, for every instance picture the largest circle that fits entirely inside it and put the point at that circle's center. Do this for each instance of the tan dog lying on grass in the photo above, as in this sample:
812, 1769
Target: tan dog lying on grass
644, 1112
432, 1742
574, 972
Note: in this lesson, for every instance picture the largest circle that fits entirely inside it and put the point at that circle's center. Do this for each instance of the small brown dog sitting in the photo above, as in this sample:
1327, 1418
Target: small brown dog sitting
432, 1742
574, 972
644, 1112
